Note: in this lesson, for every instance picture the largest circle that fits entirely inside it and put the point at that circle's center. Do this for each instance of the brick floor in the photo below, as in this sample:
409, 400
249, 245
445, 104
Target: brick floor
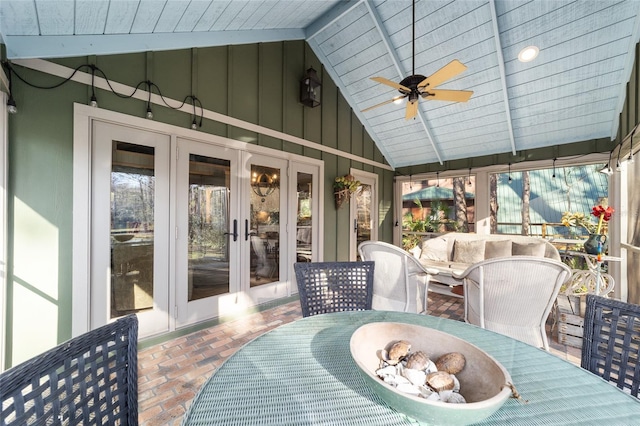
170, 373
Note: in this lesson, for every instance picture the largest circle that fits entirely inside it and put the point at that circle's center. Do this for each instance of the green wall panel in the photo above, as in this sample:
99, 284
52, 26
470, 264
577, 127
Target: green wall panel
257, 83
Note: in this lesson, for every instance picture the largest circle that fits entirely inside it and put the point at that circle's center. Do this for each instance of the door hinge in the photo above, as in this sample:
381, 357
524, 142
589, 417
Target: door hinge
175, 312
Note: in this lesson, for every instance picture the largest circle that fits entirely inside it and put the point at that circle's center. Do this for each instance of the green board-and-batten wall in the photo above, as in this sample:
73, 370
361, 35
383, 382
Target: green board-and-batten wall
257, 83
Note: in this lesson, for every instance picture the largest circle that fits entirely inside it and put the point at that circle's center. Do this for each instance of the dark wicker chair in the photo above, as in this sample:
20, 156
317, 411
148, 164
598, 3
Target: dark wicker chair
611, 342
334, 286
91, 379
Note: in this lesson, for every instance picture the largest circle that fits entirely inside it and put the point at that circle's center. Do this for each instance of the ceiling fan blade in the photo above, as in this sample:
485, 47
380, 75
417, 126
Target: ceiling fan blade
397, 98
391, 83
412, 110
450, 70
448, 95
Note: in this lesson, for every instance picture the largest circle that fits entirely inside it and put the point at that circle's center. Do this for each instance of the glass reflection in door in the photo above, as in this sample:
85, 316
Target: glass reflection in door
363, 214
208, 244
132, 228
265, 225
304, 218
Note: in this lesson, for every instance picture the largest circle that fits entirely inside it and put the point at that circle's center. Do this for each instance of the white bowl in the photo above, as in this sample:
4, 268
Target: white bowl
482, 381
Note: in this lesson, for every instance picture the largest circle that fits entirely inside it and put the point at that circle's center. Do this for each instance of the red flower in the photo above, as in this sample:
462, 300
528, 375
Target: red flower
599, 211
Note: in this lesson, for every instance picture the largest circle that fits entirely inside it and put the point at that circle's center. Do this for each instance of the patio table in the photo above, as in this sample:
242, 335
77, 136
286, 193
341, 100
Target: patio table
302, 373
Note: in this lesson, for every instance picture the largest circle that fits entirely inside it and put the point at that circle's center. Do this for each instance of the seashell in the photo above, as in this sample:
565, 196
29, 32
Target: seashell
456, 387
452, 397
440, 381
435, 396
431, 367
398, 350
416, 377
452, 362
396, 380
427, 393
417, 360
409, 388
387, 371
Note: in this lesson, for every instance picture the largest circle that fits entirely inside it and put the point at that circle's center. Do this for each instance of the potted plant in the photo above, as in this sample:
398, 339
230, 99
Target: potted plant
343, 187
597, 241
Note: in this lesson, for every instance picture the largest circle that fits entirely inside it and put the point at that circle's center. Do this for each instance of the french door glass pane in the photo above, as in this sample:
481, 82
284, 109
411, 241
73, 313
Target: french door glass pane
209, 188
363, 209
132, 228
304, 216
265, 225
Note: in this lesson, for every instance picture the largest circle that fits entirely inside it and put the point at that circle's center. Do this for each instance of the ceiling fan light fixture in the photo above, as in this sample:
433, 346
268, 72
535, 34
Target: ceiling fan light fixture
528, 54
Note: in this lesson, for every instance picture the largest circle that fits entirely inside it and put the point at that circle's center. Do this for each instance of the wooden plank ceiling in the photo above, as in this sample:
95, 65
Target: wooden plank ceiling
573, 91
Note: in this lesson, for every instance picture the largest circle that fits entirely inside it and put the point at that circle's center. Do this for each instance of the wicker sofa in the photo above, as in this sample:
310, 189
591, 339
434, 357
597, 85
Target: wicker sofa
454, 252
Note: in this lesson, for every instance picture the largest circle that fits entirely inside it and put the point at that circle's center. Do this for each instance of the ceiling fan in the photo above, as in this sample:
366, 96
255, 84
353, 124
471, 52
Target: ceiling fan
416, 86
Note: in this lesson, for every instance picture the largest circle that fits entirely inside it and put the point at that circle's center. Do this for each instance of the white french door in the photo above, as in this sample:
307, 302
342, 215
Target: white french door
207, 184
129, 227
264, 224
230, 241
363, 211
180, 230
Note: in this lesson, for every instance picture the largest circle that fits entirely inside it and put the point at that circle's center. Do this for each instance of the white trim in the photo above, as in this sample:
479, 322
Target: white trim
371, 179
515, 167
100, 83
4, 130
83, 117
503, 75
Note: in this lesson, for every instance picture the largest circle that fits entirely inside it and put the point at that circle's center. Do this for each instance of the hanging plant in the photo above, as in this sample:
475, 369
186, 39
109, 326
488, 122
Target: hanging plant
343, 187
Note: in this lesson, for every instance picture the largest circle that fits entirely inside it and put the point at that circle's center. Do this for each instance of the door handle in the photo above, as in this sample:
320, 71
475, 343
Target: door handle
235, 230
247, 234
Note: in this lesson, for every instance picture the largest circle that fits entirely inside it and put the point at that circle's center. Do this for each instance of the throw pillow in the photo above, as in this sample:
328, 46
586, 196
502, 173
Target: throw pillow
497, 249
471, 251
528, 249
434, 249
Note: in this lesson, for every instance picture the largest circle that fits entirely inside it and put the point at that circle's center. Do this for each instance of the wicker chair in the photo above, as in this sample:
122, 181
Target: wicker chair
400, 282
334, 286
611, 342
90, 379
513, 295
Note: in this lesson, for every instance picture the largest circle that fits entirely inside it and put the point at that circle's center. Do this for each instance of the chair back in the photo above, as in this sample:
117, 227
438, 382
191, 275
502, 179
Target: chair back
514, 295
400, 282
90, 379
334, 286
611, 342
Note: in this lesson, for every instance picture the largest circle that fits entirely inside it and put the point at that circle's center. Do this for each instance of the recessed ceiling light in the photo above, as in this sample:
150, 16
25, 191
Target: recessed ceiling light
528, 54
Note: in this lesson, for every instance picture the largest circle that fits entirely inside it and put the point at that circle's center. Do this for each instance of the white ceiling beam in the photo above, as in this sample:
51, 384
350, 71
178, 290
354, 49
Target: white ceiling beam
33, 47
330, 17
503, 76
401, 72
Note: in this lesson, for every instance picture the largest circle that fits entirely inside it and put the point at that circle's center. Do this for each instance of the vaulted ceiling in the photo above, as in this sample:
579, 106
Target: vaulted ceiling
573, 91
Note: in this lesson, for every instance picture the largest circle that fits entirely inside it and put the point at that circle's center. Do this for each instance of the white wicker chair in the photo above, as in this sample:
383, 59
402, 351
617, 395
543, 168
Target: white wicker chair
513, 295
400, 282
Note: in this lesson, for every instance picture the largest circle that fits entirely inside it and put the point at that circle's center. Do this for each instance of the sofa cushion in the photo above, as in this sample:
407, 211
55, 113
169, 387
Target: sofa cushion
469, 252
499, 248
434, 249
528, 249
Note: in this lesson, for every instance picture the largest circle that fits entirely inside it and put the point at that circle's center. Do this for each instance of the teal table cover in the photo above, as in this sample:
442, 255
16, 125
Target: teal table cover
302, 373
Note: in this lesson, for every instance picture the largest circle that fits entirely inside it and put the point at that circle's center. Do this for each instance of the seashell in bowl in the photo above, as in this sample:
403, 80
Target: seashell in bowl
452, 363
440, 381
482, 381
418, 361
398, 350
